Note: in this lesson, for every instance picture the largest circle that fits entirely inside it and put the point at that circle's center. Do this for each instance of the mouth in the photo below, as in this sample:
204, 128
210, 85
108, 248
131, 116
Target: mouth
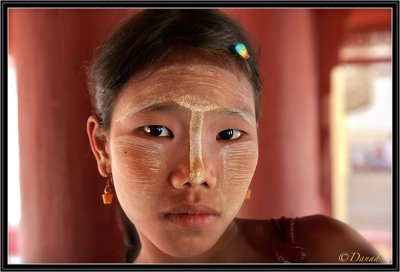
191, 216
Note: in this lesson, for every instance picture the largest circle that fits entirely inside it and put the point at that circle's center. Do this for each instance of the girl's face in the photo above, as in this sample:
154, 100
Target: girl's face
183, 148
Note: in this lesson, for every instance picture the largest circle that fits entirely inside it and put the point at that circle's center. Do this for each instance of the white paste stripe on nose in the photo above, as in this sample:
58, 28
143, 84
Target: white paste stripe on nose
197, 172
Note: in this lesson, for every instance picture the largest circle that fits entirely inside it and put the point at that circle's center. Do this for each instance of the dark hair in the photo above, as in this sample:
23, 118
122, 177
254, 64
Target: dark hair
152, 38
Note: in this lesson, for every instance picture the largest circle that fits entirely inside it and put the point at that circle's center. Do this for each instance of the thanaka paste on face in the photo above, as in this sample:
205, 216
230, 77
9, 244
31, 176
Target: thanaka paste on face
197, 106
241, 160
140, 160
199, 89
155, 93
238, 162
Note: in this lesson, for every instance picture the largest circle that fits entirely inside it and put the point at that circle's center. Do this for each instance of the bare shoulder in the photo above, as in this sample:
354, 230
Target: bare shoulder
258, 237
326, 239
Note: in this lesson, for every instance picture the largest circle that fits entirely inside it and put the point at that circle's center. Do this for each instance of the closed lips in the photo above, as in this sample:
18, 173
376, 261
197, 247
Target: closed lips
192, 210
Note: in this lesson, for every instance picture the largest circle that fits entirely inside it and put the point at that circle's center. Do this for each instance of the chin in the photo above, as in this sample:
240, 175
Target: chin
188, 249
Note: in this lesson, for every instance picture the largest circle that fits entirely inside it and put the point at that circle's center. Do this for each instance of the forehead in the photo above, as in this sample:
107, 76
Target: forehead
199, 87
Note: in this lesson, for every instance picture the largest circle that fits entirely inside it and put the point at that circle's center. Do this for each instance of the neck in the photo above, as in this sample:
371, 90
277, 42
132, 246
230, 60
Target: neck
223, 251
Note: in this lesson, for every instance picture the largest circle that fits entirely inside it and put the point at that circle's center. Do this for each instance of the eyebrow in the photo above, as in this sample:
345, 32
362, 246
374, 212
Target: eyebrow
239, 112
159, 107
148, 108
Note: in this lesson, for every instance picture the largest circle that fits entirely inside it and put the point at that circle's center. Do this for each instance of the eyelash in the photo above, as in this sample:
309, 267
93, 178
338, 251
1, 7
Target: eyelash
157, 131
234, 134
161, 131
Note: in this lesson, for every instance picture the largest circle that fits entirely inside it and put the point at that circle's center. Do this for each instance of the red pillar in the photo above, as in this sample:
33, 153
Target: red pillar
63, 219
330, 31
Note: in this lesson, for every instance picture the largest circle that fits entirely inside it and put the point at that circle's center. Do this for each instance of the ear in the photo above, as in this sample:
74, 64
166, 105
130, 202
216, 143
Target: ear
98, 143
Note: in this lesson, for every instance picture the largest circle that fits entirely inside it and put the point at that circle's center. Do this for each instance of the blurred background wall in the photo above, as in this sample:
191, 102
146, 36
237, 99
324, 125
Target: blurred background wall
307, 163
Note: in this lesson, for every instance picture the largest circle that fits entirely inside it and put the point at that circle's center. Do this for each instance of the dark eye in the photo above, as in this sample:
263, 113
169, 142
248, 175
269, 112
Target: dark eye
158, 131
229, 134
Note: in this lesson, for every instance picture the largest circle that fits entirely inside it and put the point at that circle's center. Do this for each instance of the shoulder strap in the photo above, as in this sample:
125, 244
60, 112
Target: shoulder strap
288, 251
285, 229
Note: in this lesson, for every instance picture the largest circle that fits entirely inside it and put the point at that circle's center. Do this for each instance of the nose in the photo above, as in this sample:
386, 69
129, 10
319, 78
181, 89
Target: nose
181, 179
193, 170
202, 173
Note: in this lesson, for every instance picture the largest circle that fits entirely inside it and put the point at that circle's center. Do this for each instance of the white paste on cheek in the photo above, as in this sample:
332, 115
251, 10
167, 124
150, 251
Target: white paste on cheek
136, 166
240, 161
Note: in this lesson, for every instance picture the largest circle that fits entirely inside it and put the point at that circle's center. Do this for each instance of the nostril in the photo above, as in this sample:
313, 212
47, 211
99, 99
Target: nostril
180, 178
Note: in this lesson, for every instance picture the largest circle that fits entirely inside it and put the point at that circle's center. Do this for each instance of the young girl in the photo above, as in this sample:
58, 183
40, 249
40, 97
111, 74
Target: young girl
176, 96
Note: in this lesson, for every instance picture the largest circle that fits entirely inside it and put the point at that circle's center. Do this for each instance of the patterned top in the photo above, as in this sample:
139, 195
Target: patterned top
288, 251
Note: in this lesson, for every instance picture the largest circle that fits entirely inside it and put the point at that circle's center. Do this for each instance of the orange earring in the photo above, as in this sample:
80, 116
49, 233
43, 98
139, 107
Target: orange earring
108, 195
248, 194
